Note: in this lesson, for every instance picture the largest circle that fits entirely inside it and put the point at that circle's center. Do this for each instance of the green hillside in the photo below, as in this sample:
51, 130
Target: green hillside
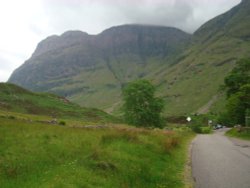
16, 99
193, 85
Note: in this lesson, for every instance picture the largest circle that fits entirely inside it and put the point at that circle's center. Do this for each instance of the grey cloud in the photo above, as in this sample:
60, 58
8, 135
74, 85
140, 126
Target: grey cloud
95, 16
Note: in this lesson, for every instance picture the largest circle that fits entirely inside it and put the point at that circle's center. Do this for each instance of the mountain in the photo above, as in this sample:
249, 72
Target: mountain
91, 69
188, 70
16, 99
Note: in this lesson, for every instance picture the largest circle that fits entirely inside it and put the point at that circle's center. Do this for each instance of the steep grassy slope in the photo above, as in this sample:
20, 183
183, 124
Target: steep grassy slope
40, 155
194, 82
16, 99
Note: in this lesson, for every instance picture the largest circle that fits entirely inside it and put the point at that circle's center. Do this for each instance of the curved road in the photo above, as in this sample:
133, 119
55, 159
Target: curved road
220, 162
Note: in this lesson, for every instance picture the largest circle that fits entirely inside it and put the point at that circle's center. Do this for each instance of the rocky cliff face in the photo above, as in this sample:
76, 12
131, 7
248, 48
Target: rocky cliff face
69, 38
60, 57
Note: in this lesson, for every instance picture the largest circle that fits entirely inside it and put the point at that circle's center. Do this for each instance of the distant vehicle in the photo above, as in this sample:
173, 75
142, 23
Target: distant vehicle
218, 126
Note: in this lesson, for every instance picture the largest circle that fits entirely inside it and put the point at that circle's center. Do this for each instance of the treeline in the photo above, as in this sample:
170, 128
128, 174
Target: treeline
237, 86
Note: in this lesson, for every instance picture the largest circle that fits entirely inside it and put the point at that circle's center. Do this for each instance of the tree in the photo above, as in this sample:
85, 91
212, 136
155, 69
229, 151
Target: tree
141, 107
238, 77
238, 104
238, 92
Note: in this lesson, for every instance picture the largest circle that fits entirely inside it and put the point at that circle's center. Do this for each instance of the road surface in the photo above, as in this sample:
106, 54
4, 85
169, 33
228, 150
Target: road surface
220, 162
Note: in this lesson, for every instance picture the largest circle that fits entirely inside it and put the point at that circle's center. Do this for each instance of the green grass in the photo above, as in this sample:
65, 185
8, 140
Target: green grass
36, 154
206, 130
244, 134
17, 99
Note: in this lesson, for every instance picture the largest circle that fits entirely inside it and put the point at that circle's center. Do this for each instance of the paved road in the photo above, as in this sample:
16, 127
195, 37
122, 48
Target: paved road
220, 162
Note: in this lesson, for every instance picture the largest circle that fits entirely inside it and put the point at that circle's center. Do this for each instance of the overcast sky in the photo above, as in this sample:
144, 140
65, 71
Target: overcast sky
24, 23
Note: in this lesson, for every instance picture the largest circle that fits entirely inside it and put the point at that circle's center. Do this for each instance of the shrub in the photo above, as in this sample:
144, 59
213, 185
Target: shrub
206, 130
11, 117
196, 129
62, 123
199, 124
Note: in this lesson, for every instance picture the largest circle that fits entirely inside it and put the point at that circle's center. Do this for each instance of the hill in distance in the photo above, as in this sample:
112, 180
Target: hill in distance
187, 69
16, 99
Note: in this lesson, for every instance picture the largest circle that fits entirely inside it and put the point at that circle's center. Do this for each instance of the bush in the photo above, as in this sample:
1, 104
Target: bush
206, 130
243, 133
11, 117
62, 123
225, 119
199, 124
202, 130
196, 129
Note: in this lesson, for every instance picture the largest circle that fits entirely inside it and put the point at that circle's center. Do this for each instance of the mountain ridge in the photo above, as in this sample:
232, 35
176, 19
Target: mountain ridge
195, 65
85, 51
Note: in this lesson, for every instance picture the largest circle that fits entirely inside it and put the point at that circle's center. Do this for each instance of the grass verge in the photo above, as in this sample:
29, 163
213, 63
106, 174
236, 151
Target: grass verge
242, 133
34, 154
